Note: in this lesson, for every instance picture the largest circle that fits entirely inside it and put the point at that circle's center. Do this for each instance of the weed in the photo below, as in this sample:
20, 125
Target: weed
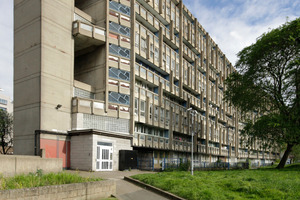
40, 179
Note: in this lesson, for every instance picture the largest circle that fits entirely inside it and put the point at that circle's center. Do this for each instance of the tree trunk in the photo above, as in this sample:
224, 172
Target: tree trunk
285, 156
2, 144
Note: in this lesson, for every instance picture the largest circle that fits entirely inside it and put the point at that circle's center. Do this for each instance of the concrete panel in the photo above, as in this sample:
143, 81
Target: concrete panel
90, 68
27, 92
24, 145
60, 12
11, 165
81, 153
27, 36
56, 91
7, 165
76, 191
26, 11
27, 63
53, 119
57, 64
57, 37
95, 8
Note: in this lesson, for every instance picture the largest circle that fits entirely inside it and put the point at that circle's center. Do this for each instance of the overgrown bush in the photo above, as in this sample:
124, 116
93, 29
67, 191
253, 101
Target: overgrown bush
184, 166
40, 179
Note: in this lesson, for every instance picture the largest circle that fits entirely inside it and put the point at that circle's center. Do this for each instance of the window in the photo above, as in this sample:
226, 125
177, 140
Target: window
119, 7
119, 98
151, 50
117, 28
3, 101
155, 113
173, 12
143, 31
119, 74
177, 18
162, 116
150, 111
136, 106
185, 74
142, 109
119, 51
168, 62
167, 117
143, 45
156, 54
137, 40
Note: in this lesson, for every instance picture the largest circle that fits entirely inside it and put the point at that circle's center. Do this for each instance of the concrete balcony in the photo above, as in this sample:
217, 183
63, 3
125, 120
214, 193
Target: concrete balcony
96, 107
213, 150
201, 148
224, 152
150, 141
87, 106
243, 154
87, 36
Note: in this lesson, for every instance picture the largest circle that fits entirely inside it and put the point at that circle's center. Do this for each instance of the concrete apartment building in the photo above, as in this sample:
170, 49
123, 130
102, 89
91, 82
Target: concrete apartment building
6, 103
93, 77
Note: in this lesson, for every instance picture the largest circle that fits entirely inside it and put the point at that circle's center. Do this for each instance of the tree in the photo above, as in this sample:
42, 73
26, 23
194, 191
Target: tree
296, 153
6, 131
268, 82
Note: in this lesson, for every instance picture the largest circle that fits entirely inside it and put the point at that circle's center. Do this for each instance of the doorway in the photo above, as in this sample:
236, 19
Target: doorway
104, 160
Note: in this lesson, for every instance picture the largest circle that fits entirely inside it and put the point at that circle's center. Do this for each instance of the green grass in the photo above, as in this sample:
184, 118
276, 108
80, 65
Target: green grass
39, 179
266, 183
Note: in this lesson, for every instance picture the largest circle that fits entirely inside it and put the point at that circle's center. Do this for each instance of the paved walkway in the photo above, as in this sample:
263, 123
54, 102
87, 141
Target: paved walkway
125, 190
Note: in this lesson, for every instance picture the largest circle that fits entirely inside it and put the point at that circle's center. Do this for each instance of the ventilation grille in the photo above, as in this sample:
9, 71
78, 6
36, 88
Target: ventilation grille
83, 93
105, 123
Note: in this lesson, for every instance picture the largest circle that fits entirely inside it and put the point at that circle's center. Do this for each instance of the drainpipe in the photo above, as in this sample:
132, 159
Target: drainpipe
36, 133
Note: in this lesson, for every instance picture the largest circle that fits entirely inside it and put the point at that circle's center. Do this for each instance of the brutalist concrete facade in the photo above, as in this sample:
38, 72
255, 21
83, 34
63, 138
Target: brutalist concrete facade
122, 70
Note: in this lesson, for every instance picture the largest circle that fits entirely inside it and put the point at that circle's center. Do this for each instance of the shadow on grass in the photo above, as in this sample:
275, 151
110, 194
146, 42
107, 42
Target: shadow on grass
291, 167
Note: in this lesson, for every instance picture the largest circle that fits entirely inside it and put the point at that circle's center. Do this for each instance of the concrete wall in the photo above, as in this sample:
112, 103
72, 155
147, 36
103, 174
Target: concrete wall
56, 146
90, 68
12, 165
43, 69
27, 61
91, 190
82, 152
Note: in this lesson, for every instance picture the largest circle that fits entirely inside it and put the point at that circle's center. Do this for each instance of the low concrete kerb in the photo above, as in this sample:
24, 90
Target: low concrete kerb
153, 189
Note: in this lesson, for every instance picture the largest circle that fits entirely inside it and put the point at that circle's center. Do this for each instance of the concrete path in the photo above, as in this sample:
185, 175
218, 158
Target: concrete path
125, 190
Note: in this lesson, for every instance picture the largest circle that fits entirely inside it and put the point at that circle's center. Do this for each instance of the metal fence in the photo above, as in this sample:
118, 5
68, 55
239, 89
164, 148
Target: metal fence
179, 163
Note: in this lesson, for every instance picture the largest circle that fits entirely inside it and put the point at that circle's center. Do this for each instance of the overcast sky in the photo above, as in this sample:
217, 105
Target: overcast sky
233, 25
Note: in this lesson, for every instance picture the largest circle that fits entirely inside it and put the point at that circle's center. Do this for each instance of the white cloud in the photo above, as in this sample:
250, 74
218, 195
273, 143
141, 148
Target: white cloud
235, 24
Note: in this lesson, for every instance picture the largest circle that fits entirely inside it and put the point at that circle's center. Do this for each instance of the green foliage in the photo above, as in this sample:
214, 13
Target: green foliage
296, 153
6, 130
268, 83
184, 166
39, 179
266, 183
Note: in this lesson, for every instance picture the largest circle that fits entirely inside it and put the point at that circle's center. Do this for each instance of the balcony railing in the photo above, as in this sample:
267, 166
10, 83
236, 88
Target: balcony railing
150, 141
96, 107
87, 35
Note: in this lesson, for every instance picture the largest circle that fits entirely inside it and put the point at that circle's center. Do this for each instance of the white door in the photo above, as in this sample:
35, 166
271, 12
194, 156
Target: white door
104, 158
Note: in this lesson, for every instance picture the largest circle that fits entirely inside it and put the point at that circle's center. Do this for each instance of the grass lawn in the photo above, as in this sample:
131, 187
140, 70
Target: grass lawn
267, 183
39, 179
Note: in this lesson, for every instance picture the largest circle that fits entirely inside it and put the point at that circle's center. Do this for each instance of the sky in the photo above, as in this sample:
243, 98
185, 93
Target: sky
232, 24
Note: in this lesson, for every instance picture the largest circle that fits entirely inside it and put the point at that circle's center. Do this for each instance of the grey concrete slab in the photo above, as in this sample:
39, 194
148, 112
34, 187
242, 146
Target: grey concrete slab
125, 189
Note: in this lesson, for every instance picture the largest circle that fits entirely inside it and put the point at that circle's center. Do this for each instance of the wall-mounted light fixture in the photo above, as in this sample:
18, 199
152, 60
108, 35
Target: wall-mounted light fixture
58, 106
